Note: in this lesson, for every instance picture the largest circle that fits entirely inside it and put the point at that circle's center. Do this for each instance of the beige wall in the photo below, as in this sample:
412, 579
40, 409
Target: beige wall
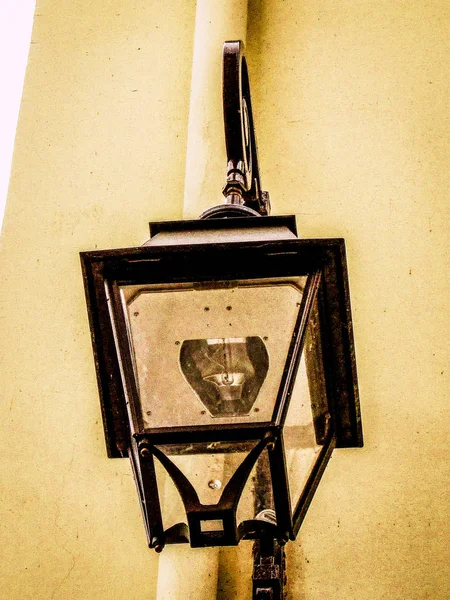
351, 102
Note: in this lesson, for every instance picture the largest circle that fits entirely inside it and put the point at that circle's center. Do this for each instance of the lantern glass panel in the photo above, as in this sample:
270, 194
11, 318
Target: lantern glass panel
257, 500
307, 419
208, 466
210, 353
172, 507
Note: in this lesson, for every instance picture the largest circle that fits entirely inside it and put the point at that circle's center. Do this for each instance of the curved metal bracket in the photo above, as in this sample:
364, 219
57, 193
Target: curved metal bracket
243, 185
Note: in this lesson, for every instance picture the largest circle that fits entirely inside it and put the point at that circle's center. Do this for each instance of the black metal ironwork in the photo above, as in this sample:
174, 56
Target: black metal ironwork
225, 510
269, 570
205, 262
242, 190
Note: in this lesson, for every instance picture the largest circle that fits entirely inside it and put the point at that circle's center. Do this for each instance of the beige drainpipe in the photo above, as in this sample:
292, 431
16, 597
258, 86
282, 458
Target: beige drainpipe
216, 21
186, 573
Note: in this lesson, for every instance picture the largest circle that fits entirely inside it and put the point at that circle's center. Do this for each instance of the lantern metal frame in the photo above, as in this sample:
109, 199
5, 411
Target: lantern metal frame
323, 261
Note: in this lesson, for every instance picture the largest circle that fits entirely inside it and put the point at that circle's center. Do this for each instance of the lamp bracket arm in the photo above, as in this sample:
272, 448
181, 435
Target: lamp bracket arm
243, 186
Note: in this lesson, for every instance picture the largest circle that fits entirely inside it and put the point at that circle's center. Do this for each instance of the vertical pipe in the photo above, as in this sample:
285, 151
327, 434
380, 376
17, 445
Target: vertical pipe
183, 572
216, 22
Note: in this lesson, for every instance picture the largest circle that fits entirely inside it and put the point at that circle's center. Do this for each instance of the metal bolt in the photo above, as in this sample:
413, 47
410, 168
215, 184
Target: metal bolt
215, 484
156, 544
145, 452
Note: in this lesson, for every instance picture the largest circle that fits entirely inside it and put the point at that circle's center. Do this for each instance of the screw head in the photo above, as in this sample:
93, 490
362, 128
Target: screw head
215, 484
157, 545
145, 452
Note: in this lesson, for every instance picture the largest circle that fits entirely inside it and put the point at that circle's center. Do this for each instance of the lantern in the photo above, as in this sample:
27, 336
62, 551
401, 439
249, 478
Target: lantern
225, 357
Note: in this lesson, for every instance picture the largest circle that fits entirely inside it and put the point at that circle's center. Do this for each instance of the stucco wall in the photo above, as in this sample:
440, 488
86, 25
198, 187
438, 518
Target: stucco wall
351, 101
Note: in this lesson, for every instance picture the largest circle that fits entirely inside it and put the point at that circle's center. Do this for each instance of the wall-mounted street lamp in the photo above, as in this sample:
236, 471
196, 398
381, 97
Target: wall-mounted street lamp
224, 353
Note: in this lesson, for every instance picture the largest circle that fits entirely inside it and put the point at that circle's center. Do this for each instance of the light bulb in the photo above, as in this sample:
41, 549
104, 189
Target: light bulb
225, 373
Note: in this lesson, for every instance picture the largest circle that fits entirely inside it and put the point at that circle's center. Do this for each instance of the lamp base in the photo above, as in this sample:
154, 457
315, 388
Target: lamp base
227, 211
